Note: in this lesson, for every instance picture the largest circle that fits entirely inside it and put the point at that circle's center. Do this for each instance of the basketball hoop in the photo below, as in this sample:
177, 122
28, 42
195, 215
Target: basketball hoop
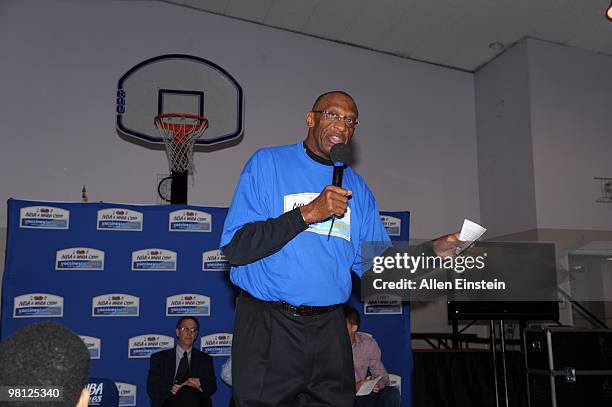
180, 132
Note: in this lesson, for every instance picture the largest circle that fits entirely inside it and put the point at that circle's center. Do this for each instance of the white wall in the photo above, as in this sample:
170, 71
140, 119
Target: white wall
571, 127
543, 120
505, 159
62, 60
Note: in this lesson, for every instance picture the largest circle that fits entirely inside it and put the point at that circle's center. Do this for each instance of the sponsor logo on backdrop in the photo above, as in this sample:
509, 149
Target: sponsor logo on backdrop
154, 260
115, 305
395, 381
392, 224
38, 305
79, 258
96, 391
188, 304
341, 227
383, 304
143, 346
127, 394
217, 344
94, 346
119, 219
189, 220
214, 260
44, 217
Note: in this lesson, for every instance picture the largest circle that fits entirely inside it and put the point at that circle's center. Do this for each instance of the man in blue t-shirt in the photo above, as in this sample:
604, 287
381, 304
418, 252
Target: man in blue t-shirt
292, 240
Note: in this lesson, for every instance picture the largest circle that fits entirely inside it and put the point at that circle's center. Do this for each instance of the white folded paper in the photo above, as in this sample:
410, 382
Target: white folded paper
367, 386
471, 231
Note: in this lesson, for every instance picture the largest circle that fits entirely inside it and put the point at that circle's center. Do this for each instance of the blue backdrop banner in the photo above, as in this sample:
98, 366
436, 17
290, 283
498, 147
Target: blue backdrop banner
121, 275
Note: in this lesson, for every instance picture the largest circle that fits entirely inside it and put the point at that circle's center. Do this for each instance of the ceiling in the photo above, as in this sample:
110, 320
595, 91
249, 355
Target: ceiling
452, 33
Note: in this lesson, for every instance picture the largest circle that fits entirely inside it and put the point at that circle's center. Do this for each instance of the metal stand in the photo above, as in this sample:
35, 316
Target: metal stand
493, 352
504, 371
178, 188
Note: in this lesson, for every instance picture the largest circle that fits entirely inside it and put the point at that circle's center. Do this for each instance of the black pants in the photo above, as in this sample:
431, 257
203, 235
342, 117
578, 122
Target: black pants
283, 360
188, 397
386, 397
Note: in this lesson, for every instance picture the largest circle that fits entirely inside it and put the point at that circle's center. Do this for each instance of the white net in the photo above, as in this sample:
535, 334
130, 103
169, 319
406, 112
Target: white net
180, 132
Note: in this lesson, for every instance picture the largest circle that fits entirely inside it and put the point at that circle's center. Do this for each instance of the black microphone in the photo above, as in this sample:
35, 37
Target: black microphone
340, 155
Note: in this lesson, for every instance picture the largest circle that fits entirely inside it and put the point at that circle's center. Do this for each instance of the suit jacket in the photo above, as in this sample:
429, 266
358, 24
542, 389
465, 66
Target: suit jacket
161, 374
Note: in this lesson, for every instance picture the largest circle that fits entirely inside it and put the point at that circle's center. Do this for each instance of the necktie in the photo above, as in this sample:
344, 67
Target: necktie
182, 372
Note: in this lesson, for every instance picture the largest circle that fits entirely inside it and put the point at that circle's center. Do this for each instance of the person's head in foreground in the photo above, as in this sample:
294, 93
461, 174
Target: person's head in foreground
46, 354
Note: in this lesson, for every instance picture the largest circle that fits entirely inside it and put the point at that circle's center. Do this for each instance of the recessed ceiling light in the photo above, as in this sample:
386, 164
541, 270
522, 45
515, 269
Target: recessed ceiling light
496, 46
609, 258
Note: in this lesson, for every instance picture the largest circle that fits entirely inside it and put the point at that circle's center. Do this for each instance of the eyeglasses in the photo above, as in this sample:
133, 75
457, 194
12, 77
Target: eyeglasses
185, 329
349, 121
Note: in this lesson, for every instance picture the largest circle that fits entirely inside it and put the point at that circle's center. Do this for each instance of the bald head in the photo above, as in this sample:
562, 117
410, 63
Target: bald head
326, 97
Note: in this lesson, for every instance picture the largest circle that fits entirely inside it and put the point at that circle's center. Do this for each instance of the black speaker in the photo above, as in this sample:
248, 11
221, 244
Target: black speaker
569, 367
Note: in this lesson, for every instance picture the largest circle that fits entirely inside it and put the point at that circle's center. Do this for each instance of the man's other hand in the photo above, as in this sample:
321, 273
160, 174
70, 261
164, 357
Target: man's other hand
331, 201
175, 387
445, 246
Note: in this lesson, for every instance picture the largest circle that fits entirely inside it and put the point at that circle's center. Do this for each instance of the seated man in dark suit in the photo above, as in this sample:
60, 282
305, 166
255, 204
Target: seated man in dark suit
182, 376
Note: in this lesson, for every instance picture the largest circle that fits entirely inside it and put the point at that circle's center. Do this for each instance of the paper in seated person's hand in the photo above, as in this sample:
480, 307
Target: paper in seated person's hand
369, 385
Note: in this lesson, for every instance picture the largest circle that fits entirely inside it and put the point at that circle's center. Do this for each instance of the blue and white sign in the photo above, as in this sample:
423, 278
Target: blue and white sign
189, 220
94, 346
143, 346
154, 260
44, 217
219, 344
188, 304
38, 305
111, 306
119, 219
79, 258
392, 224
214, 260
383, 304
115, 305
127, 394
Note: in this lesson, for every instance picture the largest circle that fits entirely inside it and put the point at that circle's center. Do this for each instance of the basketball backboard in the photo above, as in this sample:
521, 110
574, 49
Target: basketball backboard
178, 83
